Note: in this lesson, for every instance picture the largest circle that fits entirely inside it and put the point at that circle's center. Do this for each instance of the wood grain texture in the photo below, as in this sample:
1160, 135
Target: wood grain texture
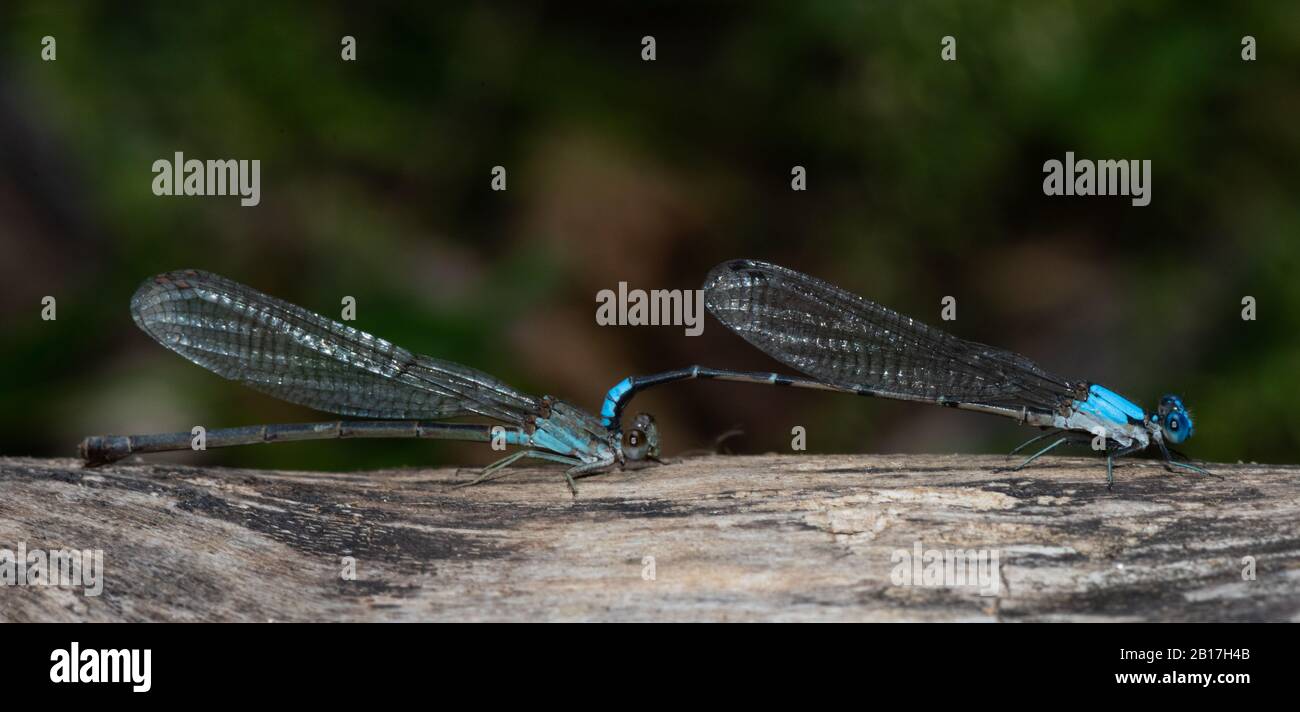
775, 537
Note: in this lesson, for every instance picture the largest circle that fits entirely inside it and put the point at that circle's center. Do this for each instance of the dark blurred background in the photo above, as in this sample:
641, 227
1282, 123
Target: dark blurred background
924, 181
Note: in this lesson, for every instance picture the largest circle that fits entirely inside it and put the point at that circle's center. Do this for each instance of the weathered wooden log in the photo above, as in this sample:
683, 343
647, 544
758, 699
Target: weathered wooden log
777, 537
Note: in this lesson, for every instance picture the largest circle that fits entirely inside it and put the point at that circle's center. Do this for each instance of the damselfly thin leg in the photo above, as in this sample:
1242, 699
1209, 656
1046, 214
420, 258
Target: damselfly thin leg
497, 469
580, 471
1031, 441
1110, 463
1035, 456
1171, 463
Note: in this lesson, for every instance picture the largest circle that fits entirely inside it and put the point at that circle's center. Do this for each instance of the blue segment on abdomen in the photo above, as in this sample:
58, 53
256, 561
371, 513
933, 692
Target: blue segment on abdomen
1105, 403
611, 398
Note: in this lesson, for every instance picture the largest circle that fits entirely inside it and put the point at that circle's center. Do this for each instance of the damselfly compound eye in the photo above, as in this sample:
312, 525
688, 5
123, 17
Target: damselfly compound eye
634, 444
1178, 426
641, 441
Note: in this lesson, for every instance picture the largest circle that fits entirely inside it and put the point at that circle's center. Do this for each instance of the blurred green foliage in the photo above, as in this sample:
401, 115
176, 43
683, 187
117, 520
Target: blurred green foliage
924, 181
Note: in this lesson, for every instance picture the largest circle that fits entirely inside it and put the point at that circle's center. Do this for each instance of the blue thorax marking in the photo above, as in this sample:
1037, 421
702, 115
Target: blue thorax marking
561, 439
1105, 403
516, 437
611, 398
545, 439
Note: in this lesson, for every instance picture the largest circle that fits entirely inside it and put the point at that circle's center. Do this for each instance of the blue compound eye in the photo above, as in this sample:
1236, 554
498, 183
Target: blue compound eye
1170, 403
1177, 426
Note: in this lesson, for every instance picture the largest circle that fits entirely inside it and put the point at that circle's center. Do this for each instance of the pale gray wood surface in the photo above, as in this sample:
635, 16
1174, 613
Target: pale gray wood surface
775, 537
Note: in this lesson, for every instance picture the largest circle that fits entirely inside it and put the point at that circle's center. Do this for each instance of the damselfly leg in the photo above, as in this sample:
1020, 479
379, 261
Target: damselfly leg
497, 469
1111, 455
1036, 455
1171, 463
1031, 441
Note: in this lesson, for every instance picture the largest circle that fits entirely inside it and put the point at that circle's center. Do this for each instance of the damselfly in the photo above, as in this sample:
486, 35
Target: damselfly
302, 357
843, 342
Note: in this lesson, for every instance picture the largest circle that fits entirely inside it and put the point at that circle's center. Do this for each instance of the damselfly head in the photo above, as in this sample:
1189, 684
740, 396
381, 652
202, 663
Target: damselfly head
1175, 421
1170, 402
641, 441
